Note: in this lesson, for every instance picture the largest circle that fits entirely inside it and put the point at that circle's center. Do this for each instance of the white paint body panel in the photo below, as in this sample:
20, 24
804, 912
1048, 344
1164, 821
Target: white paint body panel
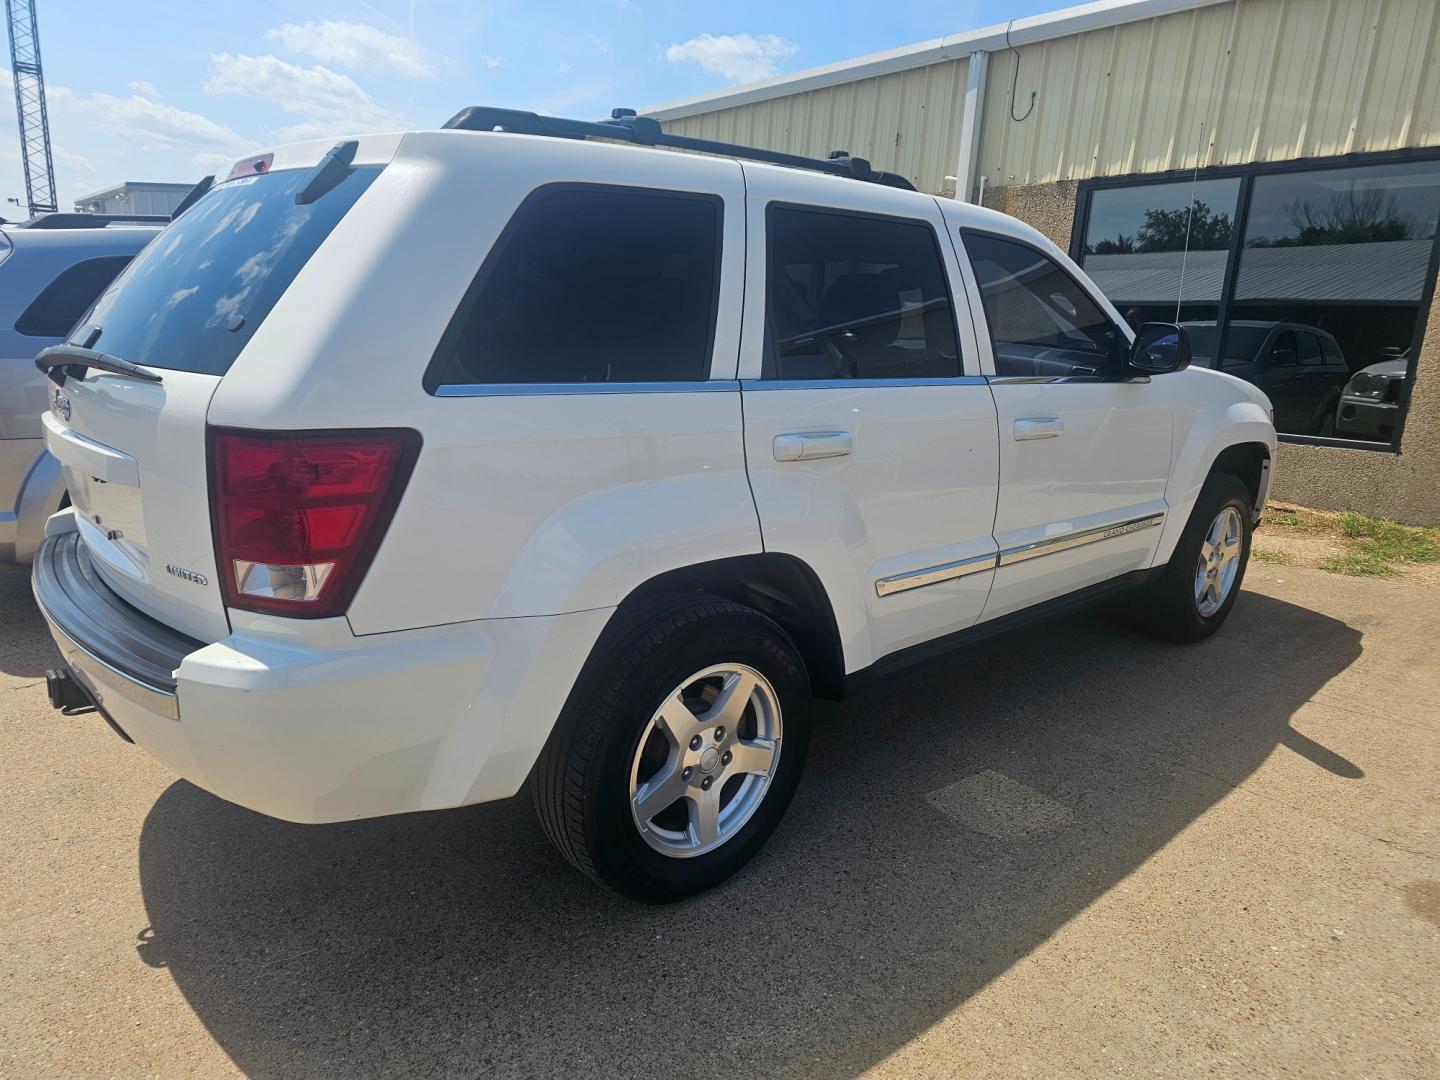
531, 515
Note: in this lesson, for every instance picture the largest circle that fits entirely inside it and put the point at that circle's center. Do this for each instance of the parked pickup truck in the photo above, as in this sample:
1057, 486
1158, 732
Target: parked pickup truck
389, 497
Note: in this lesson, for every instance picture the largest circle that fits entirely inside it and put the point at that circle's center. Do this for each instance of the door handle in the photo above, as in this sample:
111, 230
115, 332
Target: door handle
809, 447
1038, 427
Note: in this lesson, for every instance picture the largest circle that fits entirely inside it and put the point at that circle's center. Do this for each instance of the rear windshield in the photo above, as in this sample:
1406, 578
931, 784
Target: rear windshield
193, 297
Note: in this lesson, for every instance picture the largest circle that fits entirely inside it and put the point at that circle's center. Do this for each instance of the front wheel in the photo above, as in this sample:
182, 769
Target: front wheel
1190, 598
678, 750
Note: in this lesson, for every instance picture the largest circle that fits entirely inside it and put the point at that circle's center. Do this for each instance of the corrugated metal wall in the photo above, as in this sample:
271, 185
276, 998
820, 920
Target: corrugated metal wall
1257, 80
908, 122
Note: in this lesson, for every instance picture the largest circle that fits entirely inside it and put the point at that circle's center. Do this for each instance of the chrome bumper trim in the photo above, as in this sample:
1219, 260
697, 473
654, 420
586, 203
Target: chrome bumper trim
100, 679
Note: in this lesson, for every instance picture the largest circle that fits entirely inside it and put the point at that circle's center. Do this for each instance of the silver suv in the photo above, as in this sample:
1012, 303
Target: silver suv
51, 270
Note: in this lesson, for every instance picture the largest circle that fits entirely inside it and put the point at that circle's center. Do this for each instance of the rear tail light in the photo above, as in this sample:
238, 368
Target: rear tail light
298, 514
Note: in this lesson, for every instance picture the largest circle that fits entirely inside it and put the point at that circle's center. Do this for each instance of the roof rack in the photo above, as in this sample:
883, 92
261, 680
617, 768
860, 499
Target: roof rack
625, 126
63, 220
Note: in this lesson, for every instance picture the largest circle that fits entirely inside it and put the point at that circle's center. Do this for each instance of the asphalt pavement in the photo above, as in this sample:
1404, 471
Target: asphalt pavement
1072, 851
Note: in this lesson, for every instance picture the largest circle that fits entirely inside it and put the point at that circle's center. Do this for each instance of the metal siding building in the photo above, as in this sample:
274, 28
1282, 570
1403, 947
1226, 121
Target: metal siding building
134, 197
1136, 92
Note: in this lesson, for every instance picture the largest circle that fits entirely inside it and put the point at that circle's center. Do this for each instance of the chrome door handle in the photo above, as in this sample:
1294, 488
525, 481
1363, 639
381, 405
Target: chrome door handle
1039, 427
809, 447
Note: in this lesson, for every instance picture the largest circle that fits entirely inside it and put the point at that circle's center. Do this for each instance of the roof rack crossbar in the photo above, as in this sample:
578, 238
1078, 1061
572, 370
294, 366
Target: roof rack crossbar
625, 126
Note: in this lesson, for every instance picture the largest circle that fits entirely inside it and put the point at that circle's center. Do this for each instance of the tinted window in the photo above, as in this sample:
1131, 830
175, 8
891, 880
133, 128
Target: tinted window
192, 299
1309, 350
60, 304
1041, 321
593, 285
852, 297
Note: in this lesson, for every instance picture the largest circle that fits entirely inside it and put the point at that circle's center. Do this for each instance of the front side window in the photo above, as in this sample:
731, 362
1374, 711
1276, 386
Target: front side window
1042, 323
60, 304
850, 296
592, 285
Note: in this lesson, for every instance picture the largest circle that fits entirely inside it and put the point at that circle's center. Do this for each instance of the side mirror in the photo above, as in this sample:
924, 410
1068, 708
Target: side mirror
1159, 348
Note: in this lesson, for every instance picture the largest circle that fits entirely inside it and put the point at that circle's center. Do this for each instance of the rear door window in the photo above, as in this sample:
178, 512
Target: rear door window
192, 299
592, 284
850, 296
60, 304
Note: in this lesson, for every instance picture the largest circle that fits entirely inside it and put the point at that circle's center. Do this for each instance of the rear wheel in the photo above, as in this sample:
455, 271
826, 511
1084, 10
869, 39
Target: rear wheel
678, 750
1193, 594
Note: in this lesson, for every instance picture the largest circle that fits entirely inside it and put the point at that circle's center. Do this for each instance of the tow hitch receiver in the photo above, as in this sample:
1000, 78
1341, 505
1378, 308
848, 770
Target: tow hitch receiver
65, 692
70, 697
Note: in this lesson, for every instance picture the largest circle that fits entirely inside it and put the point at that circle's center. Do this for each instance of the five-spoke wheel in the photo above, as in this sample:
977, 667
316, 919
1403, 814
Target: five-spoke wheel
705, 760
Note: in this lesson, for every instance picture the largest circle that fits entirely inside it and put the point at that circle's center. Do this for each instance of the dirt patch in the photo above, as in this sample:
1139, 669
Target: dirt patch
1347, 543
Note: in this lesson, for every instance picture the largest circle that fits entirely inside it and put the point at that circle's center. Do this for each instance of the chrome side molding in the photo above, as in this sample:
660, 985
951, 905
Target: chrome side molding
933, 575
1050, 545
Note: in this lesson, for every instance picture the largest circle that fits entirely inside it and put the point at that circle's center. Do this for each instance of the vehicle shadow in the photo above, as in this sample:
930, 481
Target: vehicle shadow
28, 650
950, 820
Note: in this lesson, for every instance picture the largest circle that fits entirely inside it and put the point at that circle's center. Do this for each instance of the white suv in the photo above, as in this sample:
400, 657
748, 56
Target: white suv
407, 469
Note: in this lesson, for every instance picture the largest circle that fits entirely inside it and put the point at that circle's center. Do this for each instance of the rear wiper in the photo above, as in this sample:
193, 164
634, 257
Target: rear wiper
62, 361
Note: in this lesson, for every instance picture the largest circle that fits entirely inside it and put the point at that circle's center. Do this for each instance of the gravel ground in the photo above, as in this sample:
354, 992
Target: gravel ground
1073, 851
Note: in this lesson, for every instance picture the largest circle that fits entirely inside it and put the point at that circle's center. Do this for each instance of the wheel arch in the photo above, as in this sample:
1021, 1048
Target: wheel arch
780, 586
1249, 462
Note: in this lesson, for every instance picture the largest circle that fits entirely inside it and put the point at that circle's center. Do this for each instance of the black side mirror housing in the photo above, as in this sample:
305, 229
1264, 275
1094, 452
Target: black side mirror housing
1159, 349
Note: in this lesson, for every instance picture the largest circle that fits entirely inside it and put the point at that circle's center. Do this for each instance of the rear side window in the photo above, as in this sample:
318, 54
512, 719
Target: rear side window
60, 304
592, 285
193, 298
850, 296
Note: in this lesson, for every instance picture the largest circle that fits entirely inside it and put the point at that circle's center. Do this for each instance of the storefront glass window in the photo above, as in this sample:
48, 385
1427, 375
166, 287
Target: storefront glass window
1336, 257
1326, 299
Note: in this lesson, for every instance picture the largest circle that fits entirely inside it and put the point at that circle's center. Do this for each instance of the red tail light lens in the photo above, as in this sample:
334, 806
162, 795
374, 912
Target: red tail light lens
298, 514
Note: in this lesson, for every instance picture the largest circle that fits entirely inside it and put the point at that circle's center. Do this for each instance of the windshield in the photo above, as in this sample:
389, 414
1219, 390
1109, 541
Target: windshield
193, 297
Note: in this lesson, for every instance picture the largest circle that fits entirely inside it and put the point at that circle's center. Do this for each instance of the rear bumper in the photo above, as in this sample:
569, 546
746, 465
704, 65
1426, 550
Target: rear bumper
328, 726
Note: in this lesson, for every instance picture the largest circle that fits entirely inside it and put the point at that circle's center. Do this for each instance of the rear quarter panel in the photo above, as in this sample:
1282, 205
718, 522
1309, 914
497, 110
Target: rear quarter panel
519, 504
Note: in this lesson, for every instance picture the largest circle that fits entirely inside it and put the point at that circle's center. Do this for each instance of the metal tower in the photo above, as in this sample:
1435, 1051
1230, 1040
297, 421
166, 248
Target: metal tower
30, 106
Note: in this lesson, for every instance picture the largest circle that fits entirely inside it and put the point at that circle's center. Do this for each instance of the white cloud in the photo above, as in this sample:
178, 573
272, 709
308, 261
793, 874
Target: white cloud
591, 94
146, 124
737, 57
325, 102
357, 46
140, 86
71, 160
492, 62
564, 68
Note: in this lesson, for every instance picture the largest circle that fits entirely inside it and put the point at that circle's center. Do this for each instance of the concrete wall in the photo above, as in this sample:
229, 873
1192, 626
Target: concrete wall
1403, 486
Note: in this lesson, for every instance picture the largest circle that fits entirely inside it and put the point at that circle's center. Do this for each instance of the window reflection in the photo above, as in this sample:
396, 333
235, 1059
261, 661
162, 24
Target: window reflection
1136, 247
1327, 292
1340, 255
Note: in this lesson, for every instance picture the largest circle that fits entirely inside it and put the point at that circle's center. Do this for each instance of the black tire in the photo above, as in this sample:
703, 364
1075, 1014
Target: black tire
1167, 605
581, 783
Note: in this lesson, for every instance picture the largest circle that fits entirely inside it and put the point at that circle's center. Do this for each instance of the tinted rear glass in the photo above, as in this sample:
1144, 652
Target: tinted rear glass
193, 297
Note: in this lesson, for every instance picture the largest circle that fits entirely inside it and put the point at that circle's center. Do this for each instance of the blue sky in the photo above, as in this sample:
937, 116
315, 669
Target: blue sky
156, 91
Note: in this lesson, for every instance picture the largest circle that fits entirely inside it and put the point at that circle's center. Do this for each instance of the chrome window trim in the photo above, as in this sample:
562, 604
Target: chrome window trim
862, 384
694, 386
1007, 380
1050, 545
933, 575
